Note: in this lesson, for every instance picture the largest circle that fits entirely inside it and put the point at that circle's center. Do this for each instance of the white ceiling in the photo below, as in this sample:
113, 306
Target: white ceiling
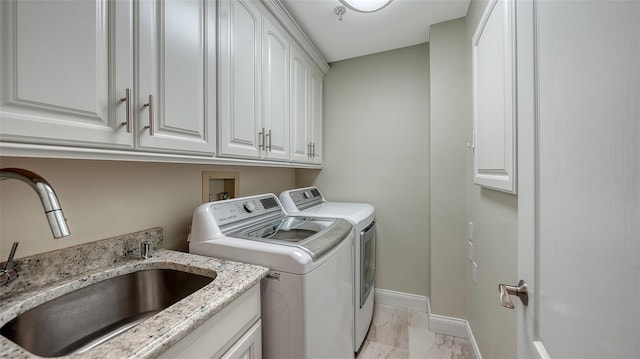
402, 23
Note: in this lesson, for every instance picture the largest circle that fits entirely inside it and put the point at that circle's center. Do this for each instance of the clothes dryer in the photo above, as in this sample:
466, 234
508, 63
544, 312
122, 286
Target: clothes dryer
309, 201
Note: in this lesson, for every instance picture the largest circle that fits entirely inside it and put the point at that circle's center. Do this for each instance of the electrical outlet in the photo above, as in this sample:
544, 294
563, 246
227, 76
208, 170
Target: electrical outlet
470, 231
474, 273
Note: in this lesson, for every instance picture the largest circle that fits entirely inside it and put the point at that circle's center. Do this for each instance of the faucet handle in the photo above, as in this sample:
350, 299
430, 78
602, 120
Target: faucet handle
144, 249
8, 274
11, 255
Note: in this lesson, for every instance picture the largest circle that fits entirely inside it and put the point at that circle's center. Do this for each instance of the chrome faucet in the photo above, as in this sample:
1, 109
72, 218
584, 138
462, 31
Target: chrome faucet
51, 206
48, 197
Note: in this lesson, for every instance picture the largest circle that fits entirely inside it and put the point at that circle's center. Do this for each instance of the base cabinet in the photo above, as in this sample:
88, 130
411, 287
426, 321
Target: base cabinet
233, 333
249, 346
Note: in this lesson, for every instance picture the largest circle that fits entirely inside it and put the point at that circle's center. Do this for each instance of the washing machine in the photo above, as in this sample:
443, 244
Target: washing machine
307, 296
309, 201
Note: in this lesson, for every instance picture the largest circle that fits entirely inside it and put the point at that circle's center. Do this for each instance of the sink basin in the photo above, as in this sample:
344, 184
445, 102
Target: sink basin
82, 319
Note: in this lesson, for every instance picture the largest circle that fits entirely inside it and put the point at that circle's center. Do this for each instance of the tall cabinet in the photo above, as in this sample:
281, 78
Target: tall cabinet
69, 76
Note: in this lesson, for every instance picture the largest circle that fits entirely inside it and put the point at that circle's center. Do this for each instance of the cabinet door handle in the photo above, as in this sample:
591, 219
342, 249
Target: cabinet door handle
268, 135
150, 108
261, 139
313, 150
309, 150
127, 114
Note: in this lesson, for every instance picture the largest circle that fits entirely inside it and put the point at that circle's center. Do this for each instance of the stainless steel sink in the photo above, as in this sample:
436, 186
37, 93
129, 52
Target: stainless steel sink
82, 319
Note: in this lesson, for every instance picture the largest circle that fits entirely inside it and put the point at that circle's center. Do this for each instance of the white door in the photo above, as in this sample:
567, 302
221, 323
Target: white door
579, 179
240, 120
65, 67
176, 70
300, 141
315, 113
275, 95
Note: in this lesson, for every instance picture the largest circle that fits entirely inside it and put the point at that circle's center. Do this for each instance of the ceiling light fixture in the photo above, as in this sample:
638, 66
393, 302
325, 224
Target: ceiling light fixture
365, 5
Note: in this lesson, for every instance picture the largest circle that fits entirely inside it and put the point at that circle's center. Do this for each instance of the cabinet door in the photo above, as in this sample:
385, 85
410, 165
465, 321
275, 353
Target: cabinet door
175, 99
494, 120
249, 346
300, 141
275, 94
315, 116
56, 70
240, 55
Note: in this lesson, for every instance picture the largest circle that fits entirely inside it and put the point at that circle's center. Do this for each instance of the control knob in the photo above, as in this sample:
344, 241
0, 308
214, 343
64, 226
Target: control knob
249, 206
307, 194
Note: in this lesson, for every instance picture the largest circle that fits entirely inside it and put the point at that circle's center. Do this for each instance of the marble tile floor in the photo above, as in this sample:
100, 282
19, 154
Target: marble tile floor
399, 333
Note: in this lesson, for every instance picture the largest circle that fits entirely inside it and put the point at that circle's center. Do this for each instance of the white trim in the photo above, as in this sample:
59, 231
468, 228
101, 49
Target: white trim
453, 326
437, 323
448, 326
403, 300
472, 342
11, 149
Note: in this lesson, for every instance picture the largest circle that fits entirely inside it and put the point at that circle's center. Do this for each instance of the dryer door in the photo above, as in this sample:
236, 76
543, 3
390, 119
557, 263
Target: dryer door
367, 261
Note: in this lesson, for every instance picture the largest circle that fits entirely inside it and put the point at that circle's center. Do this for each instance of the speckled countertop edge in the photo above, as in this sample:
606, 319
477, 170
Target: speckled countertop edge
158, 333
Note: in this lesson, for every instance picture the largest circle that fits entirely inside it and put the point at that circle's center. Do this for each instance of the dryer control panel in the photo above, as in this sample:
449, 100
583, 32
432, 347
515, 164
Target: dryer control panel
304, 198
242, 209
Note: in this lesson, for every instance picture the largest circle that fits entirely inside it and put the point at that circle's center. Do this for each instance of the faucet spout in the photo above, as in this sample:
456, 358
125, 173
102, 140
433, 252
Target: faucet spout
47, 196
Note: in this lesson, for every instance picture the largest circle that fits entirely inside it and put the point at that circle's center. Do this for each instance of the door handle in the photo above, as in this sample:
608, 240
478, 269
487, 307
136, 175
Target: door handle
150, 106
127, 101
261, 140
521, 291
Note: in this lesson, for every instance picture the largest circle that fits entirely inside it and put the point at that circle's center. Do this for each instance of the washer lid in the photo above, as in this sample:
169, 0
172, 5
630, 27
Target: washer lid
312, 235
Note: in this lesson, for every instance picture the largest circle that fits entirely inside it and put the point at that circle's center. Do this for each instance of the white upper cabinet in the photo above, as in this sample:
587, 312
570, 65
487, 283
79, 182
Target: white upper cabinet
306, 110
56, 68
175, 97
69, 76
315, 118
240, 122
199, 81
254, 83
494, 97
275, 93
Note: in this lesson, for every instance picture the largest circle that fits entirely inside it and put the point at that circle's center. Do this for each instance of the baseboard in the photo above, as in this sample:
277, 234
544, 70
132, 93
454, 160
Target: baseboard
437, 323
415, 302
455, 327
472, 343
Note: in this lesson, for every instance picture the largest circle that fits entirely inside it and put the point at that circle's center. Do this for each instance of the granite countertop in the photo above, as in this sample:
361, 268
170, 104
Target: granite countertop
48, 276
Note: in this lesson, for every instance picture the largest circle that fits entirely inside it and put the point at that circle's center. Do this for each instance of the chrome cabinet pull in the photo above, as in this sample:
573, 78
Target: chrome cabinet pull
268, 136
309, 150
521, 291
150, 106
127, 115
313, 150
261, 139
